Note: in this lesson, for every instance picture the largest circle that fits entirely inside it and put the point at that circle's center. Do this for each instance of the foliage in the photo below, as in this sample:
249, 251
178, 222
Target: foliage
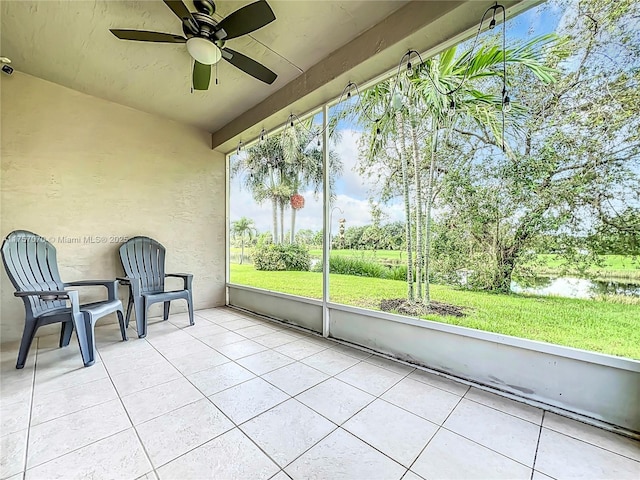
245, 230
277, 256
601, 326
356, 266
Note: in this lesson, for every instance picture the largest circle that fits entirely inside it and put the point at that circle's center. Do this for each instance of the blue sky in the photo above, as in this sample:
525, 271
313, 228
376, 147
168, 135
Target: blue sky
351, 188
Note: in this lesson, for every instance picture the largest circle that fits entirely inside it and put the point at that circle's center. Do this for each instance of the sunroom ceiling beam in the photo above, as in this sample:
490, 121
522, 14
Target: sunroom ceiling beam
426, 26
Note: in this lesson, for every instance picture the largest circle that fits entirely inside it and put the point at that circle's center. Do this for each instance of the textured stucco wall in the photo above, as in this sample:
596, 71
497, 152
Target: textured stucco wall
77, 166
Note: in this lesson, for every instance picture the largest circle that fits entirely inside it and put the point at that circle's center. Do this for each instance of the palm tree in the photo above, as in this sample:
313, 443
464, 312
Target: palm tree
426, 107
263, 173
472, 102
243, 228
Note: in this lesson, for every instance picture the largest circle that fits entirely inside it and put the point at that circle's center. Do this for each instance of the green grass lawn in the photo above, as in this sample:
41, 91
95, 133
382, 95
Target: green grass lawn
601, 326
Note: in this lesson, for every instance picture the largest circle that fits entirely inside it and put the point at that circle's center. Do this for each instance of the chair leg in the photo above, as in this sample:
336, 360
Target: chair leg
28, 333
86, 338
129, 305
141, 316
65, 333
123, 328
166, 310
190, 306
140, 306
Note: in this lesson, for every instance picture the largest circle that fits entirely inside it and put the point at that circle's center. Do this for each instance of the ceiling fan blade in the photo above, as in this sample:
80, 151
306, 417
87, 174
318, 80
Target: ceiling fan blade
245, 20
248, 65
182, 12
145, 36
201, 76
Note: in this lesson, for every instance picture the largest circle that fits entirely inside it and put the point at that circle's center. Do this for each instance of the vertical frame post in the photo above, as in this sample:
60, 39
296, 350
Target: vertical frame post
326, 229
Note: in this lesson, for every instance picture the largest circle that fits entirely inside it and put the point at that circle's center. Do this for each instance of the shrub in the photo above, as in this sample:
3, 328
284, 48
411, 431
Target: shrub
397, 273
281, 257
356, 266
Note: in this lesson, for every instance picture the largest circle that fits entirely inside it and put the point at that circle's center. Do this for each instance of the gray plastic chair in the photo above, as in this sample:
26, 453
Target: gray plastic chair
143, 262
31, 264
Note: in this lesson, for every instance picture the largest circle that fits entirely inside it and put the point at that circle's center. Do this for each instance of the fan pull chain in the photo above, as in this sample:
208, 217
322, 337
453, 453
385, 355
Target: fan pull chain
217, 73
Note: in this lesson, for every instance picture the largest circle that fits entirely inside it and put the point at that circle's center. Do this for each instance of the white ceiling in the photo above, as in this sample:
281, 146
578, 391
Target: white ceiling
68, 42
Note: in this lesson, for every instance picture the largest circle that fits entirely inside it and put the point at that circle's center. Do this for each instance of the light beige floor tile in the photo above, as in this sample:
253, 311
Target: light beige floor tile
132, 346
596, 436
204, 329
392, 430
352, 352
175, 350
439, 382
563, 457
12, 453
263, 362
371, 379
197, 362
144, 376
506, 434
220, 339
14, 417
276, 339
136, 359
237, 350
59, 377
221, 377
286, 431
245, 401
175, 433
231, 456
330, 361
506, 405
396, 367
278, 476
118, 457
70, 400
57, 437
16, 386
148, 476
411, 476
335, 400
295, 378
152, 402
540, 476
167, 339
18, 476
424, 400
255, 331
343, 456
450, 456
300, 349
239, 323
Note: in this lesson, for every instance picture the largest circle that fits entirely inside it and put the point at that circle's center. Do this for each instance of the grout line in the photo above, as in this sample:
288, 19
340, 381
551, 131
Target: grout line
535, 456
33, 391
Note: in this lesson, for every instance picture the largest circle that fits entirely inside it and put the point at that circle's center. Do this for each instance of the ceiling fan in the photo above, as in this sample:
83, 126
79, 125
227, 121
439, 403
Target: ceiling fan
206, 38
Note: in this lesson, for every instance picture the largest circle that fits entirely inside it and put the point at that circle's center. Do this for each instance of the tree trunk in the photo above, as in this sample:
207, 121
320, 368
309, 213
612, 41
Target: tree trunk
427, 263
407, 203
242, 249
418, 184
292, 236
281, 222
274, 205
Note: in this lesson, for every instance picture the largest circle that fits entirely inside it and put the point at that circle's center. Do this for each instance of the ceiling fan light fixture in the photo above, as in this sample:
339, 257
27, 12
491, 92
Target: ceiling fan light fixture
203, 50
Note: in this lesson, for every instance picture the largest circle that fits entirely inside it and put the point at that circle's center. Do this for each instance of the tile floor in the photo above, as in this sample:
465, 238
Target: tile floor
235, 397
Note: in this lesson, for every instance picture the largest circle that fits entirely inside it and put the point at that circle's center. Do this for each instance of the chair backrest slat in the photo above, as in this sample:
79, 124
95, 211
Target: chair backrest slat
31, 264
143, 258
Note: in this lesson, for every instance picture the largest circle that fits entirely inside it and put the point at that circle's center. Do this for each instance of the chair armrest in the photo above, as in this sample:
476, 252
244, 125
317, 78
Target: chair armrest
71, 295
110, 285
186, 277
45, 295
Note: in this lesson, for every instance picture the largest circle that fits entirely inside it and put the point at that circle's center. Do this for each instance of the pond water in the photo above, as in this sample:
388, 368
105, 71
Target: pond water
572, 287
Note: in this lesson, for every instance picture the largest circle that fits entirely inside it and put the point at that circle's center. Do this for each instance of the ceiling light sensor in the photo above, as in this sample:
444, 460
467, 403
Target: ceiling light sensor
6, 68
